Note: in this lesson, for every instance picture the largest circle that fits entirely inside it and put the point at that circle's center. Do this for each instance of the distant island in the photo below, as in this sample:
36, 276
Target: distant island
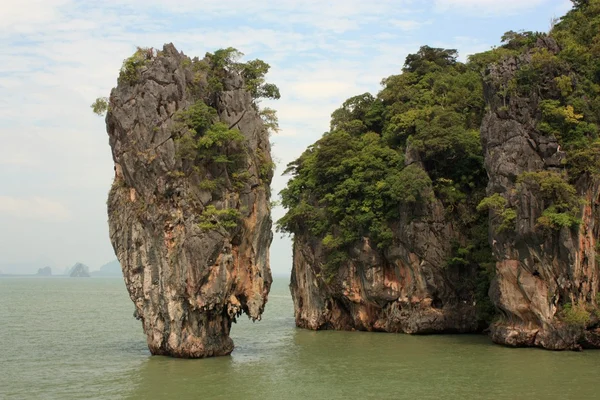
80, 270
46, 271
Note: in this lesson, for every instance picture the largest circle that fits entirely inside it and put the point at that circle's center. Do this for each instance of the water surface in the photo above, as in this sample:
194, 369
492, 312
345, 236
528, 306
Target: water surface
66, 338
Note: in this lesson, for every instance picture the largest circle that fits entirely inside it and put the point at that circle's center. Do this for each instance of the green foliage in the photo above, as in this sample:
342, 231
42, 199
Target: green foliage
203, 142
495, 202
566, 79
506, 216
481, 61
348, 187
585, 160
176, 174
210, 141
213, 218
552, 218
203, 136
561, 200
459, 256
198, 117
354, 182
486, 310
551, 185
266, 166
429, 59
564, 85
560, 121
575, 315
224, 61
208, 184
224, 58
218, 136
187, 147
100, 106
520, 40
239, 179
438, 112
475, 254
359, 114
254, 72
569, 83
538, 76
130, 71
269, 118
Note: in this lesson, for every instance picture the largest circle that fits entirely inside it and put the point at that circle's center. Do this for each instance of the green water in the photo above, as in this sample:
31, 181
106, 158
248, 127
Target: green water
65, 338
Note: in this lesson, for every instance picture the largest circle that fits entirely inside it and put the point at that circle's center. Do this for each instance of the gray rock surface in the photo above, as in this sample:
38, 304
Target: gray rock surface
188, 284
536, 270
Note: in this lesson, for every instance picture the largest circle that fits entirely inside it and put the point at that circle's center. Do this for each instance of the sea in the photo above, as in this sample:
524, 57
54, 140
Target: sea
68, 338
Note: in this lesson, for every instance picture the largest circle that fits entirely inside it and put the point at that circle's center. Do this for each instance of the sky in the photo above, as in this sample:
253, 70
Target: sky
57, 56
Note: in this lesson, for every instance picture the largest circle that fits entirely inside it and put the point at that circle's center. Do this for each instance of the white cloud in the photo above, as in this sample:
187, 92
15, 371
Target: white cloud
324, 89
408, 24
487, 7
36, 208
22, 16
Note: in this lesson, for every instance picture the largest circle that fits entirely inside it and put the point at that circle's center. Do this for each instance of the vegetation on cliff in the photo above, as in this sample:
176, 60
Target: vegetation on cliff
559, 72
212, 153
189, 211
351, 182
418, 140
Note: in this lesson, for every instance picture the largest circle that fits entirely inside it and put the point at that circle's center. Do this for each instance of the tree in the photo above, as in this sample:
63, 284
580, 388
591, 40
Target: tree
100, 106
254, 72
358, 114
428, 58
354, 181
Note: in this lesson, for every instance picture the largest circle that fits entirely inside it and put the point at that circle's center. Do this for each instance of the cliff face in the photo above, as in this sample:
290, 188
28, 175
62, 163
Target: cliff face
407, 287
382, 207
546, 276
189, 211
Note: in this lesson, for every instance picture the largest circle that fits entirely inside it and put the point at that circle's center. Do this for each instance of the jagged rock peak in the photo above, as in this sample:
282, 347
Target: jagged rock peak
189, 211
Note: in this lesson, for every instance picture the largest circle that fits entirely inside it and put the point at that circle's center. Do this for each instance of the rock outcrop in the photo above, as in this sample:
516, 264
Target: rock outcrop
407, 287
189, 211
382, 208
79, 270
547, 279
